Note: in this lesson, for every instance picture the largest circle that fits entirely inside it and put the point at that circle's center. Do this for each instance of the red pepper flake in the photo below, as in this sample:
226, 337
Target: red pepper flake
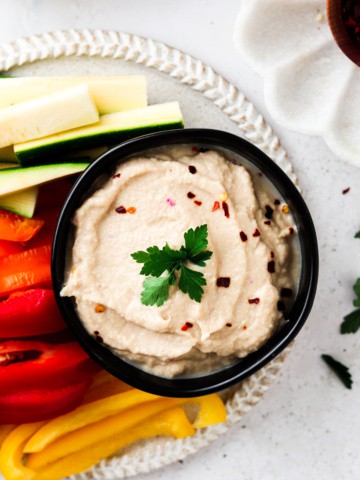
277, 201
197, 202
223, 282
228, 325
243, 236
346, 190
291, 230
281, 306
195, 149
272, 255
268, 212
244, 327
117, 175
120, 209
286, 292
267, 222
192, 169
271, 266
254, 300
98, 337
191, 195
256, 233
96, 332
225, 207
186, 326
99, 308
131, 210
260, 174
216, 206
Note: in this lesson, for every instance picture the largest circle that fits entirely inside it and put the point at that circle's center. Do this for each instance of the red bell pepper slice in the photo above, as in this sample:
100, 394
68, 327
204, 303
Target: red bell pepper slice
23, 270
29, 313
16, 228
8, 248
26, 406
29, 364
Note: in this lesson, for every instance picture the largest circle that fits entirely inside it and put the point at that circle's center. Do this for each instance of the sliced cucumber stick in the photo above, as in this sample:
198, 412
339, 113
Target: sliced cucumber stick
59, 111
110, 94
17, 179
23, 203
111, 129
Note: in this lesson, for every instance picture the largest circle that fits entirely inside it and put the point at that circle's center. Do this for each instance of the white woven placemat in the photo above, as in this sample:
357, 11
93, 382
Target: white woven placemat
152, 454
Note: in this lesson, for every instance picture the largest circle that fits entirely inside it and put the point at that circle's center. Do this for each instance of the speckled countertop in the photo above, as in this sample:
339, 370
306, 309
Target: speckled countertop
307, 425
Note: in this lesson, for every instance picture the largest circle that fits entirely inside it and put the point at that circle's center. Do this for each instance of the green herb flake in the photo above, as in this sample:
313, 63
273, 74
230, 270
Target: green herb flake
357, 234
340, 370
156, 261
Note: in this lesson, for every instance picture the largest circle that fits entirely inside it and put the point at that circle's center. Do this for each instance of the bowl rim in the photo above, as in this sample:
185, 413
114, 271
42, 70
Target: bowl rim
243, 368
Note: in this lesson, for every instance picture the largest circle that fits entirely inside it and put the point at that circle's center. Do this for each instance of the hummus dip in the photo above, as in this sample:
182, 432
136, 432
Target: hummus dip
153, 200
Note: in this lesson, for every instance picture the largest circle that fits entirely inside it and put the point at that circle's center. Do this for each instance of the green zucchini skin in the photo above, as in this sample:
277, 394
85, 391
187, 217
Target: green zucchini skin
49, 153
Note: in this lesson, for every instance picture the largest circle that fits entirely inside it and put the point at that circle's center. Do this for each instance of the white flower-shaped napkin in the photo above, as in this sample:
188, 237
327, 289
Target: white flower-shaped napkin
310, 86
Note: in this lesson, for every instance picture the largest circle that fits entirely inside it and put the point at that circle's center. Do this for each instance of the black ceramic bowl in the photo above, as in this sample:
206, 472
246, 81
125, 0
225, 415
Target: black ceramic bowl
212, 382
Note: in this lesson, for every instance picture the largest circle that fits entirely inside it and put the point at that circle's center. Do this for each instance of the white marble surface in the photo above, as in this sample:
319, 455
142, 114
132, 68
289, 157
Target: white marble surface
307, 425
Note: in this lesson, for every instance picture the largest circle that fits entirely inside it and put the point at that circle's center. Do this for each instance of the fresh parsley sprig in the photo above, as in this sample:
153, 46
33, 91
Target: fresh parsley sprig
156, 261
351, 323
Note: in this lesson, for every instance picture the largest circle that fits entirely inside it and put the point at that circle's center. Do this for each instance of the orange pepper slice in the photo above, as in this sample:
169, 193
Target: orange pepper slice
16, 228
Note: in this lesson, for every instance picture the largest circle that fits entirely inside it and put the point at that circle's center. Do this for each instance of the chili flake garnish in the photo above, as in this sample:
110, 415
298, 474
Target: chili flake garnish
197, 202
223, 282
117, 175
99, 308
346, 190
120, 209
244, 327
131, 210
99, 338
195, 149
216, 206
186, 326
285, 209
268, 211
254, 300
286, 292
291, 230
171, 202
277, 201
192, 169
267, 222
256, 233
243, 236
271, 266
272, 255
281, 306
225, 207
191, 195
228, 325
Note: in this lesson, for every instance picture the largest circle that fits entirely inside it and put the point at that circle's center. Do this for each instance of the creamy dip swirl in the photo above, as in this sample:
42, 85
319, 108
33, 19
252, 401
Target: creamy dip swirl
153, 200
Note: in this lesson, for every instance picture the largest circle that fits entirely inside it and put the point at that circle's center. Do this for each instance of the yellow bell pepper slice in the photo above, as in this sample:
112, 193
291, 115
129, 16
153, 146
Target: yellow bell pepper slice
170, 422
4, 432
105, 390
86, 414
11, 452
100, 431
211, 411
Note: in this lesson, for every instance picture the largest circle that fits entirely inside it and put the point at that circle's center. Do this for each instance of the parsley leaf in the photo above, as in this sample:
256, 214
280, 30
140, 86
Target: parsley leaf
351, 323
339, 369
156, 261
356, 288
156, 291
201, 257
191, 282
357, 235
196, 240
